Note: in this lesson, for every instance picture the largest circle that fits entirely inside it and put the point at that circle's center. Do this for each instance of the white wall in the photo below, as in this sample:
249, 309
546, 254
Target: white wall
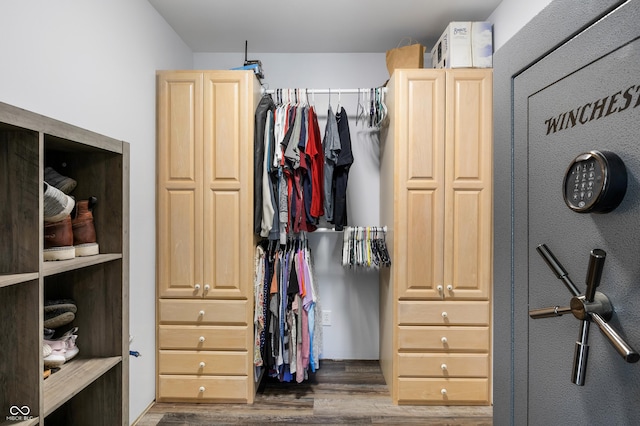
92, 64
510, 16
350, 295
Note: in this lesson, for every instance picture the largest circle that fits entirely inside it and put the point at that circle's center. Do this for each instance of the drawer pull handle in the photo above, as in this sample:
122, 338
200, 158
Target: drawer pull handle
444, 340
443, 391
201, 313
201, 339
207, 287
443, 367
444, 315
201, 389
197, 286
202, 364
450, 287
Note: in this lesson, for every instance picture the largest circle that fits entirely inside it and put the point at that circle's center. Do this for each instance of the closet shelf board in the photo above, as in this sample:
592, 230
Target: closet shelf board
11, 279
57, 267
73, 378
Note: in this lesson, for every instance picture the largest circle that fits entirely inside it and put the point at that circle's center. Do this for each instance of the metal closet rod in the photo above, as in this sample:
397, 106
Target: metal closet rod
324, 91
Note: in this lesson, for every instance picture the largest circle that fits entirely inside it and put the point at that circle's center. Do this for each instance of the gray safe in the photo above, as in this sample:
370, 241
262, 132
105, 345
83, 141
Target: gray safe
565, 85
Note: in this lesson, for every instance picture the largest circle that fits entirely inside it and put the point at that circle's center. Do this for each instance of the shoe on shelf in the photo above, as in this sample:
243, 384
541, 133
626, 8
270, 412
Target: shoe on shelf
54, 359
63, 348
57, 204
46, 350
84, 232
58, 240
58, 313
63, 183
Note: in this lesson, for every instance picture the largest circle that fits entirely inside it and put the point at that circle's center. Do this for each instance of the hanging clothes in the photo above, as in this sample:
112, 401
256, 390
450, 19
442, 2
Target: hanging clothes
365, 247
287, 338
341, 171
331, 147
266, 104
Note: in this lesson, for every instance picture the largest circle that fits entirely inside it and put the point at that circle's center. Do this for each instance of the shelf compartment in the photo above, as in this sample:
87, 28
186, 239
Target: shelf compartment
61, 266
72, 378
20, 190
11, 279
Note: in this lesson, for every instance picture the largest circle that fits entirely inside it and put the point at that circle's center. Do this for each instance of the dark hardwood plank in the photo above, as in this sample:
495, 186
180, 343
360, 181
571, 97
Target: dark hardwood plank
339, 393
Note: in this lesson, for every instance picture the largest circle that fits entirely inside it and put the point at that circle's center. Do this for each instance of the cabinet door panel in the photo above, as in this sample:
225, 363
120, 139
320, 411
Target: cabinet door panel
179, 235
222, 134
421, 253
468, 181
223, 256
425, 127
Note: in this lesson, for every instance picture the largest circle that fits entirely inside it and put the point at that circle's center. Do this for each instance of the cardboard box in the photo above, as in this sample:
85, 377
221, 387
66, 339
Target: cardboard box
464, 45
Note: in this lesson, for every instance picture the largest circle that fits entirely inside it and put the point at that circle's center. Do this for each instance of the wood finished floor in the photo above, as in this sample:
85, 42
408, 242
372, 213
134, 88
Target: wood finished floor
339, 393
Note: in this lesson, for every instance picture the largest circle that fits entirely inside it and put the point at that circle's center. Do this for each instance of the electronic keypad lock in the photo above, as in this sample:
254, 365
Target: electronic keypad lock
590, 306
595, 182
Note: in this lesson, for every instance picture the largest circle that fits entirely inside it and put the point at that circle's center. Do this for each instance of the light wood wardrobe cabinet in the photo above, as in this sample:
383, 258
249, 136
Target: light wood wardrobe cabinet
204, 239
436, 198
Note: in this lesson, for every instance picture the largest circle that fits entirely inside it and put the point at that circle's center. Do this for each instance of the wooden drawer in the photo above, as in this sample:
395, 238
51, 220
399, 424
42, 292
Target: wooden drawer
443, 365
203, 388
203, 363
443, 391
197, 338
444, 313
429, 339
198, 311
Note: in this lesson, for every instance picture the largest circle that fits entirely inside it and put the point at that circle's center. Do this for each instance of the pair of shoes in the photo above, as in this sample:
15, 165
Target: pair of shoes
58, 313
74, 235
60, 350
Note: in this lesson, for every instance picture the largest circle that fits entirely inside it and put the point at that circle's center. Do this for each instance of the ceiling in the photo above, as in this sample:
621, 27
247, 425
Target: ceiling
318, 26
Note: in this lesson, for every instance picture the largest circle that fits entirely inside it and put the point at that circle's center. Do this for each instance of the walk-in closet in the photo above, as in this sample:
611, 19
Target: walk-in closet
421, 176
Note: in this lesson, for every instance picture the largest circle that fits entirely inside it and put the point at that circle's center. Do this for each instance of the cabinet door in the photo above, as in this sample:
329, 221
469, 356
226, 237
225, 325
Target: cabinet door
420, 173
179, 205
468, 182
228, 144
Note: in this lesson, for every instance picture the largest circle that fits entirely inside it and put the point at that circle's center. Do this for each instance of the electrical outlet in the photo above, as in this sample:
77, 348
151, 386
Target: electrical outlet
326, 317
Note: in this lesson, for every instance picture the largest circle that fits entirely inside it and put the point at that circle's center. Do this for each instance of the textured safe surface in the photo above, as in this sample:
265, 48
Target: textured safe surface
582, 95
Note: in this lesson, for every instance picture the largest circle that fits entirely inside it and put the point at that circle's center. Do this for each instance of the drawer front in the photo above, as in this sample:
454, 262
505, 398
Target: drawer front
443, 313
443, 391
443, 365
203, 388
203, 363
198, 311
443, 339
198, 338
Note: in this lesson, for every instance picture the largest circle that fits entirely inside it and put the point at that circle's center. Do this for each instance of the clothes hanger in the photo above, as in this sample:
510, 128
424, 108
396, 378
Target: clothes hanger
359, 110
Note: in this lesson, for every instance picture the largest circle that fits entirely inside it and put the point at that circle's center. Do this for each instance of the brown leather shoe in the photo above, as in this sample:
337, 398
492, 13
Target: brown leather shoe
84, 233
58, 240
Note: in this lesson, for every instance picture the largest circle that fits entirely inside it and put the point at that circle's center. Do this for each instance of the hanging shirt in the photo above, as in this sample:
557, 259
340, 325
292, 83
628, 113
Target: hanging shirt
341, 171
331, 147
316, 158
266, 104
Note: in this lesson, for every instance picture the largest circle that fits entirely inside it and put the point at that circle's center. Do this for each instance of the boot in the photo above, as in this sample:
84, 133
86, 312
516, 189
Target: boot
84, 233
58, 240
